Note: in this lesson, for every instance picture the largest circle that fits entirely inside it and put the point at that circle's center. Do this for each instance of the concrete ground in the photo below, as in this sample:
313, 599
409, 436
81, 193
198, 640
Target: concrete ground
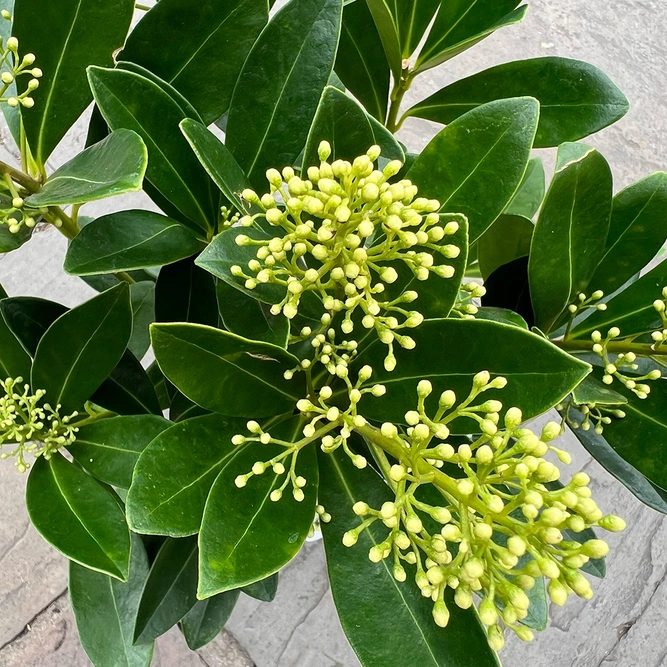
626, 623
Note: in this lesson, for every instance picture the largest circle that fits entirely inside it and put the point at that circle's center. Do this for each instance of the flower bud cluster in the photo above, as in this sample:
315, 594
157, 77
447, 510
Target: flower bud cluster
584, 302
465, 306
344, 231
626, 360
14, 212
32, 426
15, 66
593, 415
501, 523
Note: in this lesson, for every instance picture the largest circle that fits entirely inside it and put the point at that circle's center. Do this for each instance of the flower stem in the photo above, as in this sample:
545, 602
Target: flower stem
398, 93
615, 347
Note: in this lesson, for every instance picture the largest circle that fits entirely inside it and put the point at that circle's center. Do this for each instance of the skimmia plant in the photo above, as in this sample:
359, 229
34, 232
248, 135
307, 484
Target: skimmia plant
311, 328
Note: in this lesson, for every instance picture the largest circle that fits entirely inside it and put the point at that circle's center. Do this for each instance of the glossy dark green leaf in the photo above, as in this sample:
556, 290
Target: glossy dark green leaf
225, 373
639, 438
142, 299
507, 239
538, 612
371, 604
170, 591
349, 129
129, 240
198, 47
528, 198
475, 165
182, 408
502, 315
259, 536
205, 621
450, 352
82, 347
250, 318
630, 477
637, 231
461, 24
223, 253
29, 317
388, 29
14, 360
108, 449
174, 475
576, 99
78, 516
105, 610
361, 62
69, 36
571, 232
9, 241
218, 162
631, 310
264, 590
114, 166
413, 18
437, 296
128, 390
280, 86
129, 100
592, 390
185, 293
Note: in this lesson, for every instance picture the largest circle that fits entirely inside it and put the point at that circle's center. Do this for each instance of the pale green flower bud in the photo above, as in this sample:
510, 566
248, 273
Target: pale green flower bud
614, 524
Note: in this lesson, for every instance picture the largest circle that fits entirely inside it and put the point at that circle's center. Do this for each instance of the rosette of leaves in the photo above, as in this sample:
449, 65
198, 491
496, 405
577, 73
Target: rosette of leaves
145, 502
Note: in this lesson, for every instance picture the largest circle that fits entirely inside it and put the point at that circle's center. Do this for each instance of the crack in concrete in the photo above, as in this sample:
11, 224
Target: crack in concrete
26, 629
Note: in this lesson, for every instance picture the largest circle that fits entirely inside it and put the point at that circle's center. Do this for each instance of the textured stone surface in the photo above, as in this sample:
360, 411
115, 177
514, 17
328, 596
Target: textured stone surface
624, 626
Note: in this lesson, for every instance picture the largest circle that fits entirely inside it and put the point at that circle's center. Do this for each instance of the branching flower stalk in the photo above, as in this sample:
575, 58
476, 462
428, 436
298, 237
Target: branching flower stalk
499, 520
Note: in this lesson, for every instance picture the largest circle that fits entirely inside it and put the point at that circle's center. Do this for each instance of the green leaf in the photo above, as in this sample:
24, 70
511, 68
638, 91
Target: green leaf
507, 239
82, 347
630, 477
529, 196
592, 390
142, 298
257, 537
171, 482
225, 373
387, 27
637, 231
538, 612
205, 621
280, 86
361, 62
570, 234
475, 165
639, 438
198, 47
114, 166
29, 317
413, 18
250, 318
218, 162
450, 352
128, 390
129, 240
78, 516
264, 590
170, 591
9, 241
461, 24
129, 100
371, 604
576, 99
14, 360
631, 310
105, 610
502, 315
349, 129
223, 253
12, 114
185, 293
108, 449
69, 36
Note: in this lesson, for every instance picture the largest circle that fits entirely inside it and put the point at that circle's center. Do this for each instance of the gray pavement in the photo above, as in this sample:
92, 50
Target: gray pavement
625, 625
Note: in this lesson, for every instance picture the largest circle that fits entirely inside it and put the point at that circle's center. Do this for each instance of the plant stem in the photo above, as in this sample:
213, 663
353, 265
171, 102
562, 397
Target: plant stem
616, 347
29, 183
397, 95
143, 8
